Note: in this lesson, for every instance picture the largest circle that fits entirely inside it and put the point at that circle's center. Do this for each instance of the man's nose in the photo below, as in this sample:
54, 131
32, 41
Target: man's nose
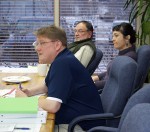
76, 33
37, 48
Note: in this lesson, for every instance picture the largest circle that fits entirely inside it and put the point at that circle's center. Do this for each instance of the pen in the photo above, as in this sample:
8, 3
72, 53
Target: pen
22, 128
20, 85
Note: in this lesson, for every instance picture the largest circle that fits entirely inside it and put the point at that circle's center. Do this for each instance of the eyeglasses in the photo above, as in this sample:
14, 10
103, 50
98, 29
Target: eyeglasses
80, 31
41, 43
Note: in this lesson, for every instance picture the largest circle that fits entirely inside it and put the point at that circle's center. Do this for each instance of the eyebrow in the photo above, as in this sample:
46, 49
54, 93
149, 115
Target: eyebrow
80, 29
115, 33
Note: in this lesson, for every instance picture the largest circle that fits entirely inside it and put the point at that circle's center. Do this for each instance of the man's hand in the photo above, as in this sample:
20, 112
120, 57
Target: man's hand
20, 93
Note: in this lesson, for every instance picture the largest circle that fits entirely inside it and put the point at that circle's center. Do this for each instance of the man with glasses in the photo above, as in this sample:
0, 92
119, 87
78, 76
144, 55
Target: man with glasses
83, 48
70, 89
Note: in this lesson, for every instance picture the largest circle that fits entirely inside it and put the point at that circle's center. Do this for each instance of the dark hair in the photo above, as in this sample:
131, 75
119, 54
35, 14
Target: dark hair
88, 25
53, 32
126, 29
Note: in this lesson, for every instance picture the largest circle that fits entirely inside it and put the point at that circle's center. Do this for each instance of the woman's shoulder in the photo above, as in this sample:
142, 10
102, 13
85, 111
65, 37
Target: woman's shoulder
132, 54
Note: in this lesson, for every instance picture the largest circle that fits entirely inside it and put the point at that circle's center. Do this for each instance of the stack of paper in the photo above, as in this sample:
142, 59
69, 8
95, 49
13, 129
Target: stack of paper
21, 110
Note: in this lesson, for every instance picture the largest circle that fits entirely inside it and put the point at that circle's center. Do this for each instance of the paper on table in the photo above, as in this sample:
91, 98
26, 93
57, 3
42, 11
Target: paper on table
22, 120
4, 91
39, 114
33, 127
7, 127
19, 105
11, 127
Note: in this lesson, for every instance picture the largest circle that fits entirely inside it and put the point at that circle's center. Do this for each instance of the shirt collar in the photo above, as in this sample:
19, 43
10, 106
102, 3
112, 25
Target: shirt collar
81, 41
122, 52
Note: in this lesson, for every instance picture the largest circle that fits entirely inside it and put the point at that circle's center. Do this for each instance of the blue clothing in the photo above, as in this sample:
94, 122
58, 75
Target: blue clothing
130, 52
70, 82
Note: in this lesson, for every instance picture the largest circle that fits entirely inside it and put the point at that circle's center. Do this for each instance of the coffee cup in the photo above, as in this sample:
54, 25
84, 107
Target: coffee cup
42, 69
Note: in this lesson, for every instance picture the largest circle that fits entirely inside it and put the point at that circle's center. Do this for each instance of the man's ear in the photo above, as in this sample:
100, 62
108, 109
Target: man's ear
58, 45
90, 33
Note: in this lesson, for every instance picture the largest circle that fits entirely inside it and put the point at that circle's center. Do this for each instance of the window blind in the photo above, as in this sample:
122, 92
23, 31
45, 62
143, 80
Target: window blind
18, 20
103, 14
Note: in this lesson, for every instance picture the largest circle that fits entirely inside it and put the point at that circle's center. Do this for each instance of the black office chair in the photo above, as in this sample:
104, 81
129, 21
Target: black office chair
94, 64
142, 96
143, 61
115, 93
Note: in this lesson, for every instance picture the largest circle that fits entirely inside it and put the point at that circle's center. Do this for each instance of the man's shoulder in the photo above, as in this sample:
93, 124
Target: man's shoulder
86, 47
65, 59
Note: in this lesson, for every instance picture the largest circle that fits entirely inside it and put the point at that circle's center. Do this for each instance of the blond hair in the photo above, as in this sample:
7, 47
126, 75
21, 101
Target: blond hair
52, 32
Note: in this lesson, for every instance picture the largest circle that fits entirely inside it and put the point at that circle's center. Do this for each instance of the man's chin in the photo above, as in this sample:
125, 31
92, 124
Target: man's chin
77, 39
41, 61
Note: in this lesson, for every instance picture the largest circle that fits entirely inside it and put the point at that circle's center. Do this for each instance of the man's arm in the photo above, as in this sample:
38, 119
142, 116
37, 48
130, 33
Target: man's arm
84, 55
39, 89
51, 106
31, 91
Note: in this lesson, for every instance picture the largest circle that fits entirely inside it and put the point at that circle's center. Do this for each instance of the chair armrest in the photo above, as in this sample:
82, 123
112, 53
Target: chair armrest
103, 129
79, 119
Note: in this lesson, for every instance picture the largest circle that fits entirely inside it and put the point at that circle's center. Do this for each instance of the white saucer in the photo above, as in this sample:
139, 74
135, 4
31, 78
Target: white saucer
16, 79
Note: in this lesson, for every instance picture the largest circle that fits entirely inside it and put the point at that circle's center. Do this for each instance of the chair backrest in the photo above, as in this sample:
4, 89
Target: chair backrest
94, 64
137, 119
136, 114
141, 96
143, 60
119, 86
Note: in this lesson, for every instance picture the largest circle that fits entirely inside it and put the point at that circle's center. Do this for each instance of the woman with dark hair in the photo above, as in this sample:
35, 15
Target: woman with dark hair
83, 48
124, 37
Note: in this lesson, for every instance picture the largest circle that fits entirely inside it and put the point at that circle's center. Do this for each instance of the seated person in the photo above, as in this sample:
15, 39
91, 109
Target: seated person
123, 39
83, 48
69, 87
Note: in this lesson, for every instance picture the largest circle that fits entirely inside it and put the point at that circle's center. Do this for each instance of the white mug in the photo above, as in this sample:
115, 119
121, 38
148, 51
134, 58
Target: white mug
42, 69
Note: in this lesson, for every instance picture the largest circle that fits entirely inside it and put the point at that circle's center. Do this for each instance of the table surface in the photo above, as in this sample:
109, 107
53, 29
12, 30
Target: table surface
35, 80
